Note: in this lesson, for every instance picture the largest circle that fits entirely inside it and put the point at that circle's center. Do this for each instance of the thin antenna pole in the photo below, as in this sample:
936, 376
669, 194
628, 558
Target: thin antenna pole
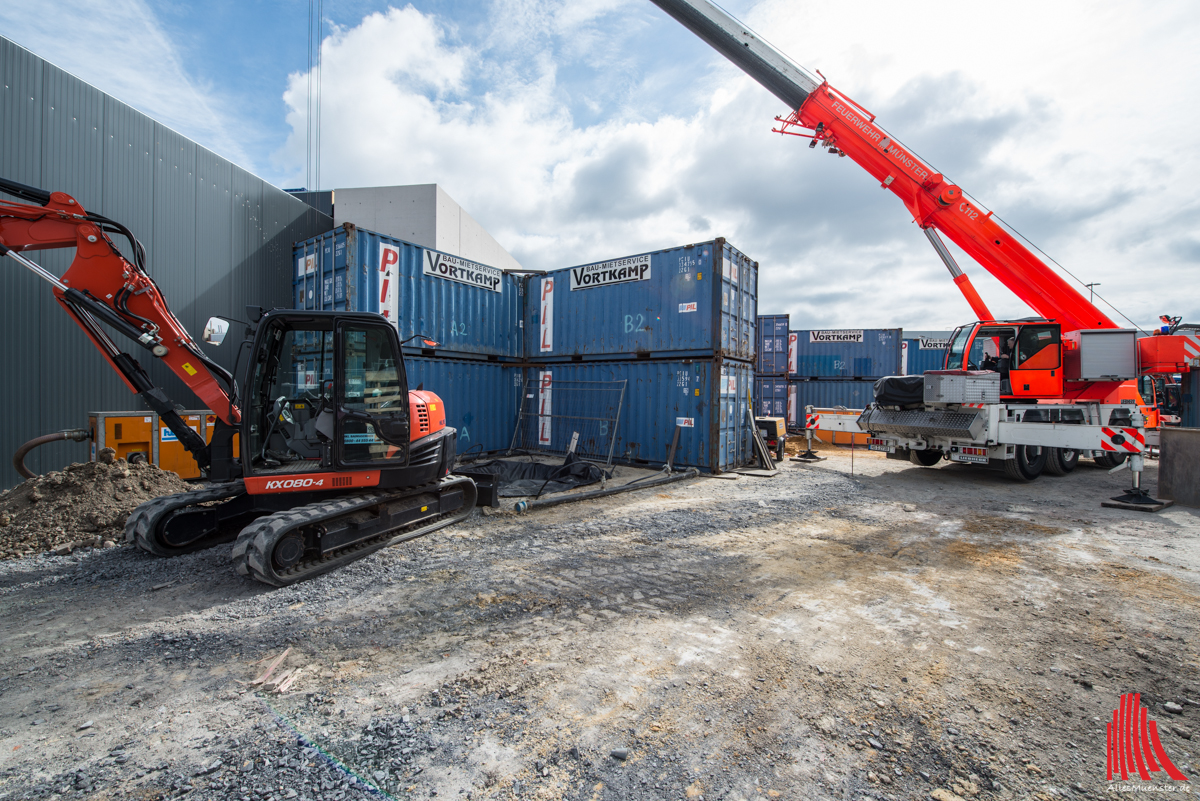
309, 104
317, 154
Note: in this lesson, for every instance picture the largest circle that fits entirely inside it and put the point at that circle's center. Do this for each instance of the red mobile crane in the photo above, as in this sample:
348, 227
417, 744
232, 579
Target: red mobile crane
330, 467
1068, 367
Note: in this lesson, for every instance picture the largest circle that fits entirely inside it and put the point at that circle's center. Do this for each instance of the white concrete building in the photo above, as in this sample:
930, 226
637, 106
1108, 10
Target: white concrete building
424, 215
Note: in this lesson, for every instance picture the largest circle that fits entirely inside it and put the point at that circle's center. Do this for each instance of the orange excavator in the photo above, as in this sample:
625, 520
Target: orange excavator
1071, 360
321, 455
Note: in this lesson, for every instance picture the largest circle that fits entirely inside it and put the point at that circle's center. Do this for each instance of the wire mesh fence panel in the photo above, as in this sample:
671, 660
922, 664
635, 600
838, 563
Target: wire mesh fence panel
558, 417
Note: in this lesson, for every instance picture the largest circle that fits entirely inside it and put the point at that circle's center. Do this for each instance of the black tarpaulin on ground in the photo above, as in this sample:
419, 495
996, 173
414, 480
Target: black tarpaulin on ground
522, 479
900, 390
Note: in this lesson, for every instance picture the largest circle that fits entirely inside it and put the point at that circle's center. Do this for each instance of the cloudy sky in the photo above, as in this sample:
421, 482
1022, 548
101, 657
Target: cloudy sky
576, 131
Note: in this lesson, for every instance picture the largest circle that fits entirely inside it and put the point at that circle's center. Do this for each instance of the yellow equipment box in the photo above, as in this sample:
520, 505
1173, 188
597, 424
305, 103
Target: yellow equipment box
140, 437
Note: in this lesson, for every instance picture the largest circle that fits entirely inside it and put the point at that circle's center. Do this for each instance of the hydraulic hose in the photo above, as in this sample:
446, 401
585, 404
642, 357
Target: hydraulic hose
74, 434
542, 503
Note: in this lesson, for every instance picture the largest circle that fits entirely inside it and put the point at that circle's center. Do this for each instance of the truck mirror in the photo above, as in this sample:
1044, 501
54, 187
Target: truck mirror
215, 330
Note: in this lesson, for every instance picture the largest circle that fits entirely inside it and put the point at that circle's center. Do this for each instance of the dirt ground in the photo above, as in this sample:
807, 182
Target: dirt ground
895, 633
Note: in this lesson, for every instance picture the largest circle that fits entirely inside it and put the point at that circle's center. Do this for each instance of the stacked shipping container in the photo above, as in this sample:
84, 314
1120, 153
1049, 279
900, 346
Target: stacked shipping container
471, 310
770, 379
696, 300
678, 325
926, 350
706, 400
832, 368
672, 323
857, 354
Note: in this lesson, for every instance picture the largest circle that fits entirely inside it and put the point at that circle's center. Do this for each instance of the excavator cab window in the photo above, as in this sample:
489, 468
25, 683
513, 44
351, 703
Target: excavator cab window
372, 415
292, 388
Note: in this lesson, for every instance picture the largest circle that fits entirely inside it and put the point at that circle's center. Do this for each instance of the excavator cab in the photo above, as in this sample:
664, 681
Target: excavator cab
327, 392
1026, 353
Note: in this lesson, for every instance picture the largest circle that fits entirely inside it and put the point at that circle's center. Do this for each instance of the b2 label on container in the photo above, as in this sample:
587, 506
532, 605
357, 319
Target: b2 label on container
687, 307
632, 327
685, 422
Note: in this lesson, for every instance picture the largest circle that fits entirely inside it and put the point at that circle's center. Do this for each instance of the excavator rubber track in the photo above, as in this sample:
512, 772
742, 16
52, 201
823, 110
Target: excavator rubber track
386, 518
144, 526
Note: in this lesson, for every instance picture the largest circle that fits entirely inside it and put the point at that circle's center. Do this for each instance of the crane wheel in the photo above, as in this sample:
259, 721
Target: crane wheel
1027, 464
1060, 461
925, 458
1110, 460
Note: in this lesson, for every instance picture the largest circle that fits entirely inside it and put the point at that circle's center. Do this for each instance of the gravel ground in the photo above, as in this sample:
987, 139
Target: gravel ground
896, 633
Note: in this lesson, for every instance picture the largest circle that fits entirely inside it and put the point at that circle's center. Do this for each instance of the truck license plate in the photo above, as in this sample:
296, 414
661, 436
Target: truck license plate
971, 455
884, 445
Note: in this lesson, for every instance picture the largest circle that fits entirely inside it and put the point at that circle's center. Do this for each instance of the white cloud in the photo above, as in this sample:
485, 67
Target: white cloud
119, 47
1046, 123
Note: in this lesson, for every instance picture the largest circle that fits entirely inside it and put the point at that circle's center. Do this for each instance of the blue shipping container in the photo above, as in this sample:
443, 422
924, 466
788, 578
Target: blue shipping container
845, 353
827, 395
468, 308
481, 398
770, 397
922, 354
773, 344
695, 300
707, 399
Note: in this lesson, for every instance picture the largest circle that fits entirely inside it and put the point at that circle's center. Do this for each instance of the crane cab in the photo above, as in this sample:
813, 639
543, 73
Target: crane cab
1026, 353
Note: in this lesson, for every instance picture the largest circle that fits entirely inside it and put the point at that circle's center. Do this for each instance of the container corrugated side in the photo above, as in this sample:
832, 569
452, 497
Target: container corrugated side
827, 395
773, 344
708, 398
771, 397
482, 398
468, 308
922, 354
845, 353
694, 300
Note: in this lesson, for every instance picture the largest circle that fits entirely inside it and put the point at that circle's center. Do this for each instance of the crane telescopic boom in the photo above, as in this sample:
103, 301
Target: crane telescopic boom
845, 128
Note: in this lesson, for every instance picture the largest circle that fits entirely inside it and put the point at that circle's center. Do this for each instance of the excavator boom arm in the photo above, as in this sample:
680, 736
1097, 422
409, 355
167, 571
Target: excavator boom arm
102, 286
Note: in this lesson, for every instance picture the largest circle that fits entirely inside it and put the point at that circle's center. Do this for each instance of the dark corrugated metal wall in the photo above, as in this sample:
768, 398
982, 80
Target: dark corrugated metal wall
217, 238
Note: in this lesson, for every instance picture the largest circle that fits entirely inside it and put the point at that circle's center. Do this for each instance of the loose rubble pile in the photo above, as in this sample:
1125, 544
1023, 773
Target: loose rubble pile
84, 505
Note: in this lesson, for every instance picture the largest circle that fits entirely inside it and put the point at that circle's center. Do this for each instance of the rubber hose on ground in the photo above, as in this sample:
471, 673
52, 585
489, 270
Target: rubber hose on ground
76, 434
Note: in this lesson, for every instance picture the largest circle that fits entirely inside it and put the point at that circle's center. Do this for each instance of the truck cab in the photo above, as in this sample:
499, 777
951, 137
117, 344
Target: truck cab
1026, 353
